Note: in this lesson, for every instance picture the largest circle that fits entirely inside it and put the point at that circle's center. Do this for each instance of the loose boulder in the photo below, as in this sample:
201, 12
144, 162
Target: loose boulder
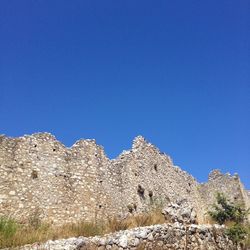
181, 212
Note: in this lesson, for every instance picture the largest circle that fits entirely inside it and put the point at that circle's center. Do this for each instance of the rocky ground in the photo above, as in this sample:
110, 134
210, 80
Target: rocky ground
167, 236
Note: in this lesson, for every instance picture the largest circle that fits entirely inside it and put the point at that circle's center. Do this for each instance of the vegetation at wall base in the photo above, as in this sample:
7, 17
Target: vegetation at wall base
237, 233
235, 216
13, 234
8, 227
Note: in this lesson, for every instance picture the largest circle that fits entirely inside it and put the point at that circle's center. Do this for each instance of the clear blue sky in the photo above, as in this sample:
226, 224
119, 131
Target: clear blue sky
176, 72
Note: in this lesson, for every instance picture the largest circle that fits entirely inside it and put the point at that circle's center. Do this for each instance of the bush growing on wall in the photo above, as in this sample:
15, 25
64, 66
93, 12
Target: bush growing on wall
233, 214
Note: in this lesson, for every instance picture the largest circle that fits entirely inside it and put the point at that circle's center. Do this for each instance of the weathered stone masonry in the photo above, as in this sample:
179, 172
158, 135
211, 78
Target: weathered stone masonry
156, 237
39, 176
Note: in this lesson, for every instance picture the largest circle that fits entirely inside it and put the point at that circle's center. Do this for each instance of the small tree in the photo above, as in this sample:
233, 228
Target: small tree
224, 212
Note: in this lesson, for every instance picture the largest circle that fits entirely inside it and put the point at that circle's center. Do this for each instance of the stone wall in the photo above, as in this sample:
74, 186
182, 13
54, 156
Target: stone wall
41, 177
157, 237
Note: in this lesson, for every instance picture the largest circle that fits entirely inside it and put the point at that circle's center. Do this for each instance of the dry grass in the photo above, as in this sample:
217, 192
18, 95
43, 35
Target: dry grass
28, 234
146, 219
13, 234
116, 224
139, 220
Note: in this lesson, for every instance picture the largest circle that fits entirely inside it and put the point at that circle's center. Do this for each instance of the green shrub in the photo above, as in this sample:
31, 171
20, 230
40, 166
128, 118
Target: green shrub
247, 240
233, 214
224, 211
8, 227
237, 233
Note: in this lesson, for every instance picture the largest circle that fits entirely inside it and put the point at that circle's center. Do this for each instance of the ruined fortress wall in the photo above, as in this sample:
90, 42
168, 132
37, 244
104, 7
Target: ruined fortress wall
145, 167
39, 176
228, 184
